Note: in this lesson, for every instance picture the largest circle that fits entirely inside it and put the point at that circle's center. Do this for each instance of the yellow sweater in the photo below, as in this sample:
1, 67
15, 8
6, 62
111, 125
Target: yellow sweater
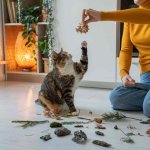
136, 32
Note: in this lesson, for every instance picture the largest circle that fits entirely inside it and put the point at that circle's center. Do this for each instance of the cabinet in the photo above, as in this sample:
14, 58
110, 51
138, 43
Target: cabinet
11, 30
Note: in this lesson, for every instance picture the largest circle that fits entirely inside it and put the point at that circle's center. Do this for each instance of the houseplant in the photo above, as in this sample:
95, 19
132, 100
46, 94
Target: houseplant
43, 46
30, 17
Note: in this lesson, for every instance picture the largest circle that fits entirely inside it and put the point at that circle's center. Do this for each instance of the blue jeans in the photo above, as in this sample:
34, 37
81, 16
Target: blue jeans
133, 98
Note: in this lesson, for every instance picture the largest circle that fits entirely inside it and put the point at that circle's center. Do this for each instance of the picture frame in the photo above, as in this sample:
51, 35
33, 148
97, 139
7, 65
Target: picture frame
12, 10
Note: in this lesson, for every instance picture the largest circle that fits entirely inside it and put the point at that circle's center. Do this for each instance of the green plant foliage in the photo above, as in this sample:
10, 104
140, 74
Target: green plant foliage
113, 116
30, 16
27, 123
55, 125
43, 45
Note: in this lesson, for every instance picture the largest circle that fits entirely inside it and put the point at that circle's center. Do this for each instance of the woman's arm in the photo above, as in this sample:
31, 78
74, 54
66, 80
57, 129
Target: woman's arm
135, 15
125, 56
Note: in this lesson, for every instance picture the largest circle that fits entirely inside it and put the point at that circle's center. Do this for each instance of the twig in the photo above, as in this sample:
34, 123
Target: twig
27, 123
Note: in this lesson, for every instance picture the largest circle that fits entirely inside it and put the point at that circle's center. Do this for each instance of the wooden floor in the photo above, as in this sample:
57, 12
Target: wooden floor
17, 103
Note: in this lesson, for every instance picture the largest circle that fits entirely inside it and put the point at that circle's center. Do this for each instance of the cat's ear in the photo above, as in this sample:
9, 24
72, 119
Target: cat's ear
54, 55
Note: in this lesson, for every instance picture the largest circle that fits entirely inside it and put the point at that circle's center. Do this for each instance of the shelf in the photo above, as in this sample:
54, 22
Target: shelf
20, 24
13, 24
21, 72
26, 77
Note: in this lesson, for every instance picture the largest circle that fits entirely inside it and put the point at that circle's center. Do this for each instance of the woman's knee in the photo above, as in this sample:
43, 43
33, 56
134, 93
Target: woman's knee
115, 98
146, 106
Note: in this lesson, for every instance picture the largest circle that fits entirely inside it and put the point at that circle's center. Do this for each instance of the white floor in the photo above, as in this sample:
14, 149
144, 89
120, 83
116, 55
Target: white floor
17, 103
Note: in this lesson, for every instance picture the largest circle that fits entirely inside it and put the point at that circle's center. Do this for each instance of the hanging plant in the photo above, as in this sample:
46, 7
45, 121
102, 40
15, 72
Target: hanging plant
50, 30
30, 17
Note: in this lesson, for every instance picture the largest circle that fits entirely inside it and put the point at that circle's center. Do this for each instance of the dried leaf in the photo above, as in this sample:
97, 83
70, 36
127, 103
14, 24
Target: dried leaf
101, 143
148, 132
145, 122
99, 133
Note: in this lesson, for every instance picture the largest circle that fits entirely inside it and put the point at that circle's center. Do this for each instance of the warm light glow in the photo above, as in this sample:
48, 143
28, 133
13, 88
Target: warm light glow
24, 55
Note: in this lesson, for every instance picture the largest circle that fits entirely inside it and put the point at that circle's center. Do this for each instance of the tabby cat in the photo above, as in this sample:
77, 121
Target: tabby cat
58, 88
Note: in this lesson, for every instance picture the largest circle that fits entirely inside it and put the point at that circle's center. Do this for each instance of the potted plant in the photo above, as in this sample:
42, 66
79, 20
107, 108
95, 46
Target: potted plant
44, 10
30, 17
43, 46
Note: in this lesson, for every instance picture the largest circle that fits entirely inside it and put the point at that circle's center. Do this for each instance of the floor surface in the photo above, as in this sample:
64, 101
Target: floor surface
17, 103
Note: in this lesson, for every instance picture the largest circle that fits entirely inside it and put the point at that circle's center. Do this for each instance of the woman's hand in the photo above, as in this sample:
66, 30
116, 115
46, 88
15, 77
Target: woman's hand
90, 15
128, 81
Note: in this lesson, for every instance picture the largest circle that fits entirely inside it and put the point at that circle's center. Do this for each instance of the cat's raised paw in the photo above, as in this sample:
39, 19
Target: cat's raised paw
84, 44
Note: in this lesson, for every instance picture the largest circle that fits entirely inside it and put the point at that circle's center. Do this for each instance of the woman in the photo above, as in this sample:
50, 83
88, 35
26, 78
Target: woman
130, 95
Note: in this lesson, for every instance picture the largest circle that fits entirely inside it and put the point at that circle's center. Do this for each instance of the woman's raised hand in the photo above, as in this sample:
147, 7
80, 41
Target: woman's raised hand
90, 15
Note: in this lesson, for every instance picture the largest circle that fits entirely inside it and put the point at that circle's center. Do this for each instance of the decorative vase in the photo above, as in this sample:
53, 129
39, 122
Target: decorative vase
25, 56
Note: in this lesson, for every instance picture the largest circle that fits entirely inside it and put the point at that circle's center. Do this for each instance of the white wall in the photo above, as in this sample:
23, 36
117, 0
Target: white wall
101, 38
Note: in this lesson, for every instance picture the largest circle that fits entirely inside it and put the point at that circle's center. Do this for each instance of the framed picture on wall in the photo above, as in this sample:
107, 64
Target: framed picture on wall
12, 10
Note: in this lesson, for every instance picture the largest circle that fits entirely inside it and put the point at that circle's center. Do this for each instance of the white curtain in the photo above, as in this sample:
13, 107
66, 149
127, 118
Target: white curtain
2, 76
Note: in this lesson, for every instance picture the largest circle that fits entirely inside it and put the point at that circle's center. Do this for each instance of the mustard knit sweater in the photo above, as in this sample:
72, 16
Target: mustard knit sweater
136, 32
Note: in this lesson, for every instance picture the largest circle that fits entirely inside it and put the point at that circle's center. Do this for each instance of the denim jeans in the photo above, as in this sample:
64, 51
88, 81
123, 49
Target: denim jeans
133, 98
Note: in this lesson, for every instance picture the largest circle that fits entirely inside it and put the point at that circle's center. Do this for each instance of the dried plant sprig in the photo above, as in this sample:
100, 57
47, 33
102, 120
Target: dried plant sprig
82, 28
126, 139
74, 122
27, 123
115, 116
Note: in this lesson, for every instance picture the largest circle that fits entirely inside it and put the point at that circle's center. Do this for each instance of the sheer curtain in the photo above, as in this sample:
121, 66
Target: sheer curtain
2, 76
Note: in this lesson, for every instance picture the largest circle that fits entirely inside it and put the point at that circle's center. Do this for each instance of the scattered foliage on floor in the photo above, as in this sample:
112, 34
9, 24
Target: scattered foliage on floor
98, 120
79, 137
101, 143
145, 122
115, 116
99, 133
74, 122
62, 131
78, 126
148, 132
126, 139
99, 126
55, 125
27, 123
46, 137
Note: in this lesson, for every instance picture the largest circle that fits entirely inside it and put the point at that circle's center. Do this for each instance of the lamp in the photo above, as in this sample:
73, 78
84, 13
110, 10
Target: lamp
25, 56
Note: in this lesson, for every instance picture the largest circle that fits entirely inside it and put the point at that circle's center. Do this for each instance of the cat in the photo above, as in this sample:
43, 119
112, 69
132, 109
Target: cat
59, 86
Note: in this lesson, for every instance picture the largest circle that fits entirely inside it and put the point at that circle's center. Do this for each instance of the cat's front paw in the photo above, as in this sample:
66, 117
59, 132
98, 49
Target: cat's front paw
84, 44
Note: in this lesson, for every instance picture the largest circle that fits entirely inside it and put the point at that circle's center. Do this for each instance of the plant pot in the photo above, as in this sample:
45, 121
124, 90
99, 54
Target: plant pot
46, 65
44, 15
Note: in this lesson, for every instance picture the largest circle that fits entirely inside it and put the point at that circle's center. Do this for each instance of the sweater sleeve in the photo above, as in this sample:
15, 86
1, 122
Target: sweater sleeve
125, 56
134, 15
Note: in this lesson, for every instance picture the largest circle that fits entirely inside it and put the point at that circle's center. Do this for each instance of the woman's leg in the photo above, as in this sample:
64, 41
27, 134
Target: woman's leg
145, 78
131, 98
146, 105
